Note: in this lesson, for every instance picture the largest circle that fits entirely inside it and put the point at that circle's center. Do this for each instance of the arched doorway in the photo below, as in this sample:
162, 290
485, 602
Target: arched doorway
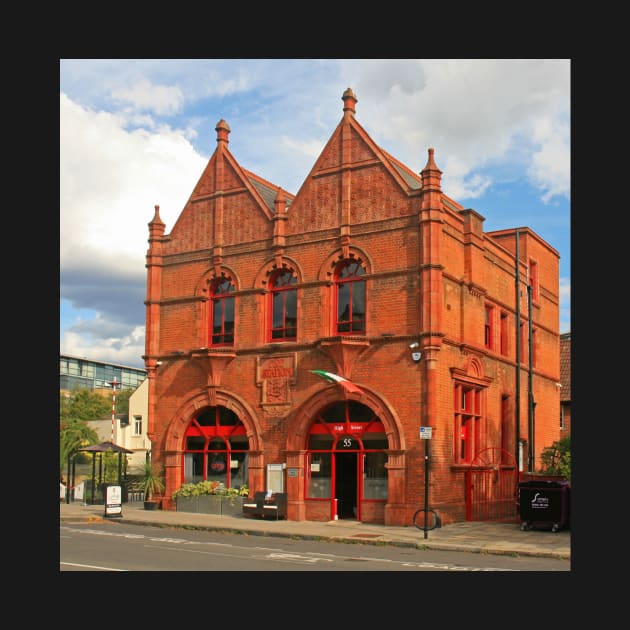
346, 459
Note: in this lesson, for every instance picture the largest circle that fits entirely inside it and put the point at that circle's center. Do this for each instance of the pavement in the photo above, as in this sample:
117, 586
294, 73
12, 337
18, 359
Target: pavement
473, 536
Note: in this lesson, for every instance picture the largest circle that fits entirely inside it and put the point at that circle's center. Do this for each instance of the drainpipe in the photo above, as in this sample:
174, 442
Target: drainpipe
530, 394
518, 356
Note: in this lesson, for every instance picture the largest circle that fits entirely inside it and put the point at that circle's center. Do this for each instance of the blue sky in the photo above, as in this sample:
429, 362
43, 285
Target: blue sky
135, 133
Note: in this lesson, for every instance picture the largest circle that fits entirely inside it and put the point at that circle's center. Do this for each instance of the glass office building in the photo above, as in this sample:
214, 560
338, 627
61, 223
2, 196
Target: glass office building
75, 373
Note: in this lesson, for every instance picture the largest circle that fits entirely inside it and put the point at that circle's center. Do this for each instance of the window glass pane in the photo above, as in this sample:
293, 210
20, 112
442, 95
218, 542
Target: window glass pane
217, 467
291, 306
320, 442
359, 412
373, 441
217, 316
239, 443
350, 297
283, 306
358, 300
319, 476
227, 417
343, 302
375, 476
222, 312
283, 279
216, 444
195, 443
335, 413
277, 312
207, 418
224, 286
195, 467
238, 470
347, 443
228, 304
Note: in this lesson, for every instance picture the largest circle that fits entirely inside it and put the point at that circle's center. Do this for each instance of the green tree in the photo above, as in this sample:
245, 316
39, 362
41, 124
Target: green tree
122, 400
74, 434
75, 410
556, 459
83, 404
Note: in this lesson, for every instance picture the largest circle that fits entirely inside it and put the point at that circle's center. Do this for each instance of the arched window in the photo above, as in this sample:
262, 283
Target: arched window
350, 297
283, 305
216, 448
222, 315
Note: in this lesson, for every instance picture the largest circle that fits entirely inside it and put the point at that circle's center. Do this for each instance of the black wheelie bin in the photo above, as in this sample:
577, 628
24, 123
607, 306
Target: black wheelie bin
543, 503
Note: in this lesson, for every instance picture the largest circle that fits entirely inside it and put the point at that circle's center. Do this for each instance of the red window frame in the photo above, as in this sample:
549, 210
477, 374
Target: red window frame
349, 426
467, 428
283, 306
215, 426
350, 298
489, 326
221, 320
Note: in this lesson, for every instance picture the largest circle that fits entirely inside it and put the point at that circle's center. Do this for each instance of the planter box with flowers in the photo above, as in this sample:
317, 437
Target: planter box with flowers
210, 497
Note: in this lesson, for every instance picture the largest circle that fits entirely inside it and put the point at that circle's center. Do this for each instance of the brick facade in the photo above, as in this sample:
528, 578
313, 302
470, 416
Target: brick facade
565, 384
430, 273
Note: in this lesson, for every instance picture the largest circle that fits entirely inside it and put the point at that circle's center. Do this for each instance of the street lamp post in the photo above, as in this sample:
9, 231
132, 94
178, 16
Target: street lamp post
114, 383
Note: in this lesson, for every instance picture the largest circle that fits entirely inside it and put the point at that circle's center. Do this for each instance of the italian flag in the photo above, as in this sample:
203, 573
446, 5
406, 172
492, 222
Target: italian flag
349, 386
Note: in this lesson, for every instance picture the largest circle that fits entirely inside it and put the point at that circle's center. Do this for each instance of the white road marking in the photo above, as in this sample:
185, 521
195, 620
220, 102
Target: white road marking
90, 566
277, 555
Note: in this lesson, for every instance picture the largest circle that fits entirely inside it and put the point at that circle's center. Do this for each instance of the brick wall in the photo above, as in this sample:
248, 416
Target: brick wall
425, 261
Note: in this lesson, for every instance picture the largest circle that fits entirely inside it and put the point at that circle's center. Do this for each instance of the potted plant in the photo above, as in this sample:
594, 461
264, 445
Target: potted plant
209, 497
152, 483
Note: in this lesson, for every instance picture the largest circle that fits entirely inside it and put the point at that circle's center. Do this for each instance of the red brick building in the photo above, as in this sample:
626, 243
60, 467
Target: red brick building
565, 384
370, 272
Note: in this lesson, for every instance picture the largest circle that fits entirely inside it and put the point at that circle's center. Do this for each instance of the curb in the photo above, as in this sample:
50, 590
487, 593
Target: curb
425, 544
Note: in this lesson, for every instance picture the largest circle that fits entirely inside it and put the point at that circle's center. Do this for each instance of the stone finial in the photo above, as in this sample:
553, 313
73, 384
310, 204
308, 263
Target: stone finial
280, 202
156, 216
431, 165
349, 99
223, 131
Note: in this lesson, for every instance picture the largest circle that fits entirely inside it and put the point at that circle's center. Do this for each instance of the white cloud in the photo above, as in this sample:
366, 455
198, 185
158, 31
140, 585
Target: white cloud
127, 129
161, 99
549, 168
111, 179
473, 112
125, 350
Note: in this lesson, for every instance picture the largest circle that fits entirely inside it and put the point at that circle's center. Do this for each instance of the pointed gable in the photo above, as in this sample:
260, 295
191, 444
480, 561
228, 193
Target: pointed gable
353, 181
229, 204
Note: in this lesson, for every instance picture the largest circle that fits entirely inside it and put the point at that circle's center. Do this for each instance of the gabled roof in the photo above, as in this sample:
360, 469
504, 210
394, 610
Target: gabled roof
223, 172
412, 179
266, 190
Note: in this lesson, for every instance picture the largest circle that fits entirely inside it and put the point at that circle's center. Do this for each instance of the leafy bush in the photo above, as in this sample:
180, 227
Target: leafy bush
556, 459
209, 487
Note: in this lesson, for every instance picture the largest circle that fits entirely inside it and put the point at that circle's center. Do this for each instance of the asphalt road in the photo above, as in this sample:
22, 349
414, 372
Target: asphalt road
111, 546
